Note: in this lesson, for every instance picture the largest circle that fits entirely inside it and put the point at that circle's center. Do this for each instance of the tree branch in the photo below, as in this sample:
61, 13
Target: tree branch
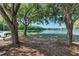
27, 11
4, 15
7, 11
16, 8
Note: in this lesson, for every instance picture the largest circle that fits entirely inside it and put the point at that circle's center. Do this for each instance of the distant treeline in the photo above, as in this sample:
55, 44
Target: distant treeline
21, 27
55, 28
30, 27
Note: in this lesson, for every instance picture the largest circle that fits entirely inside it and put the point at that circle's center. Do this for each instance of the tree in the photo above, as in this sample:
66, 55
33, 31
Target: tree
67, 13
70, 12
24, 19
9, 13
30, 13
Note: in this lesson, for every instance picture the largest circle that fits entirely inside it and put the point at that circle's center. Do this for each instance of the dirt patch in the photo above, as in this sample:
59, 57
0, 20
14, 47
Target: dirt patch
7, 49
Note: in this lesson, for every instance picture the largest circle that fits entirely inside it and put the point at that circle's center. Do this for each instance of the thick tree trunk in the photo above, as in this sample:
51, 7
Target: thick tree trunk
15, 36
14, 32
70, 34
68, 22
69, 27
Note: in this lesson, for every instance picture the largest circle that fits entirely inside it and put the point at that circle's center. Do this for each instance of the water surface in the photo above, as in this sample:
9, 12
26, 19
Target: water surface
75, 32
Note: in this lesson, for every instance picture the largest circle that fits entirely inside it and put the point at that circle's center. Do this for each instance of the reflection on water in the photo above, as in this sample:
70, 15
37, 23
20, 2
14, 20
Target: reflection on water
53, 31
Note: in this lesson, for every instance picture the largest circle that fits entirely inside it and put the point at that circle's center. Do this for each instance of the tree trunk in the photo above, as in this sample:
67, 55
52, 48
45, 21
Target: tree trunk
25, 31
68, 21
70, 34
69, 27
15, 36
14, 32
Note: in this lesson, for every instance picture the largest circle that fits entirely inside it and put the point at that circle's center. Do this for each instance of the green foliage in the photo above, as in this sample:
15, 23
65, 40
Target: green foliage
20, 26
76, 24
44, 12
35, 28
34, 12
3, 25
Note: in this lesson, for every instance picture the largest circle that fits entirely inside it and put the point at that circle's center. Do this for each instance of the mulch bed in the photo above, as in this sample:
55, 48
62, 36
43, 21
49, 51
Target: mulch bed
10, 50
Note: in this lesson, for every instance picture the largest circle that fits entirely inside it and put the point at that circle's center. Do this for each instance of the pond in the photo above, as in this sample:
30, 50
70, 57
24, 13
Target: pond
75, 32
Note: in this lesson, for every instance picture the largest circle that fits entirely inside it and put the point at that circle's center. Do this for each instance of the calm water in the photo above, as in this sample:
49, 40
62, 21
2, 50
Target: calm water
75, 32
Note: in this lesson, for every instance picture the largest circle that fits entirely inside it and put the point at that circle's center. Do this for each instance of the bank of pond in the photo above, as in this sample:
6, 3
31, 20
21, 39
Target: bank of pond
48, 33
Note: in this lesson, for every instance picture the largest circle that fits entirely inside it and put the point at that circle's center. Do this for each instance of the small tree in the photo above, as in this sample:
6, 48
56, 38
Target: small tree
30, 13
